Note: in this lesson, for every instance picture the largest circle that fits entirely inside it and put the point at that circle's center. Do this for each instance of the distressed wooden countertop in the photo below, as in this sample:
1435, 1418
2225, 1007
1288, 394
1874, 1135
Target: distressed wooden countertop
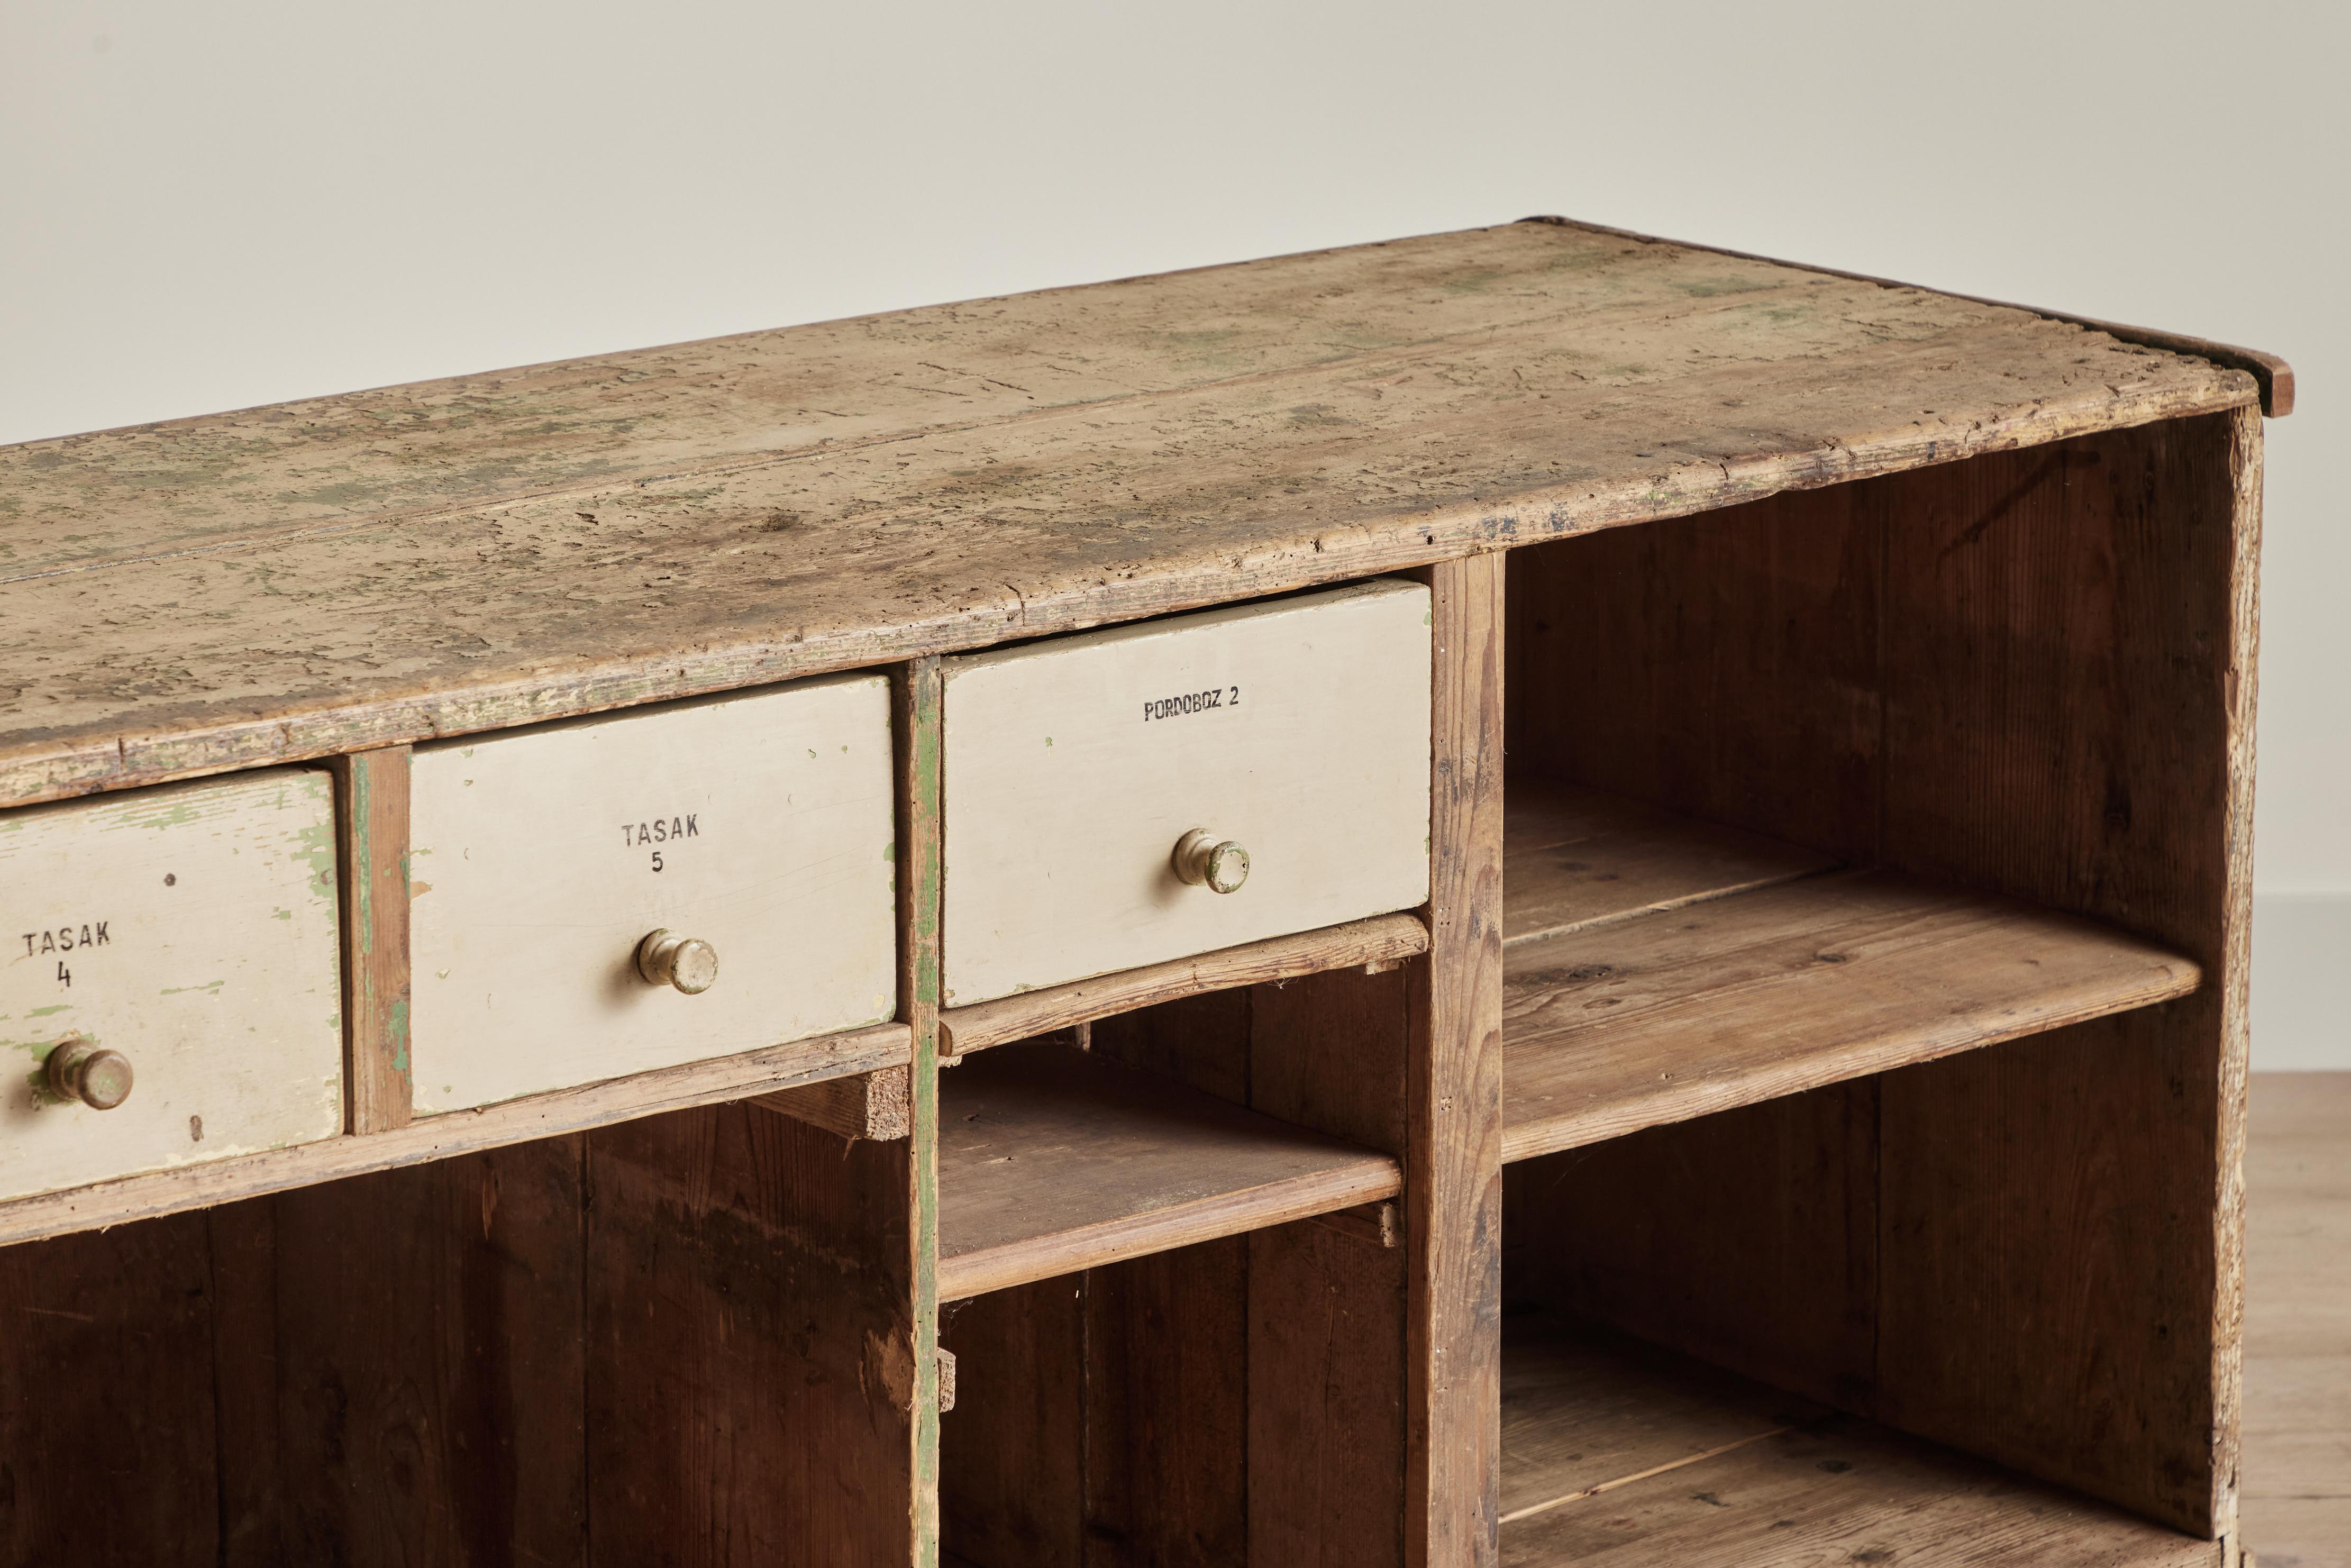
317, 577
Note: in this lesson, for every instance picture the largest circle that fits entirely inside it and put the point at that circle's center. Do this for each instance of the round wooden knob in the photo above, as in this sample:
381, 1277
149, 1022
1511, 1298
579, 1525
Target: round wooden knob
1205, 860
98, 1078
665, 958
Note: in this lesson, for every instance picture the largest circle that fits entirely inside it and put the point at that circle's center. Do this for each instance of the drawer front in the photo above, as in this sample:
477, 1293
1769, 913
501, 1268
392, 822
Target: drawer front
191, 929
1297, 731
539, 862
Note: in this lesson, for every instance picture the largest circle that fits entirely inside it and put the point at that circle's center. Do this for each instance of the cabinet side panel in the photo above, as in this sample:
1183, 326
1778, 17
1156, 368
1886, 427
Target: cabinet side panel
751, 1377
2070, 682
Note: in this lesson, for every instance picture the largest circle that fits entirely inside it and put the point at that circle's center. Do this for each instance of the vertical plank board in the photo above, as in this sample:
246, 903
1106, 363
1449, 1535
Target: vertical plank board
915, 696
1453, 1158
1326, 1428
1747, 1239
1722, 665
1166, 1459
751, 1385
2070, 639
243, 1240
428, 1363
1326, 1320
371, 839
1331, 1051
1012, 1451
106, 1398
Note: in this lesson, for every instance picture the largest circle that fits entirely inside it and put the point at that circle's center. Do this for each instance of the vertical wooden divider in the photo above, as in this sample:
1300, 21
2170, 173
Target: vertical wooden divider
916, 693
372, 859
1453, 1112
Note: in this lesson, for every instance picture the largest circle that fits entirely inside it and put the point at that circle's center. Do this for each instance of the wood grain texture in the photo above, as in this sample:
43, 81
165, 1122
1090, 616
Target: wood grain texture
1724, 666
750, 1392
1721, 1004
917, 730
1126, 739
1167, 1425
1053, 1160
1453, 1104
1383, 939
1586, 1411
106, 1382
449, 558
2274, 374
1012, 1453
371, 848
1326, 1396
2071, 651
458, 1133
1747, 1239
865, 1105
1710, 1474
1578, 858
427, 1364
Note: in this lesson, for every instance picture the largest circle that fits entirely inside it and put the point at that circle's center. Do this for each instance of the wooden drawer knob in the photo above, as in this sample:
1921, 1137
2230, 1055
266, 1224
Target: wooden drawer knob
98, 1078
1205, 860
665, 958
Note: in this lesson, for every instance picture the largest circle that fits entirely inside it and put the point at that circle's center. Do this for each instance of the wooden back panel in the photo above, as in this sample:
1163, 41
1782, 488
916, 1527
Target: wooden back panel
2032, 673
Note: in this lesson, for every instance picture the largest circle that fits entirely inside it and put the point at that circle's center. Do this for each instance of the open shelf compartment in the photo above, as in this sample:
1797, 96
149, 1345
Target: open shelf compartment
1616, 1452
1656, 969
1052, 1159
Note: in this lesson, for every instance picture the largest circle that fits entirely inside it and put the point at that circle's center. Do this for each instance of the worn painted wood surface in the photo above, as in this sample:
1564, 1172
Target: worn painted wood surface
1051, 1161
458, 556
1709, 1474
438, 1137
1297, 730
760, 824
1381, 940
193, 930
371, 848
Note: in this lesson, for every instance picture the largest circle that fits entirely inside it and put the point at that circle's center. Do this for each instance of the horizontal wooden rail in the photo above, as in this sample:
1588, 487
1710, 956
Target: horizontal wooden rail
181, 1187
1053, 1160
1383, 939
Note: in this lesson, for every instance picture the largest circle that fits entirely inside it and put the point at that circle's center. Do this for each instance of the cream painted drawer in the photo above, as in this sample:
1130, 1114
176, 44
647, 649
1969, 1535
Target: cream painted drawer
1297, 730
761, 825
190, 928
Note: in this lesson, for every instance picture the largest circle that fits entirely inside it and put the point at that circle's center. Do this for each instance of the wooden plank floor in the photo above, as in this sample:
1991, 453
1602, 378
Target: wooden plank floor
1618, 1454
2296, 1473
1052, 1160
1658, 944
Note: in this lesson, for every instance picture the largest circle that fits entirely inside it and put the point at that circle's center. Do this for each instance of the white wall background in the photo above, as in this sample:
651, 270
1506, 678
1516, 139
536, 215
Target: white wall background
208, 206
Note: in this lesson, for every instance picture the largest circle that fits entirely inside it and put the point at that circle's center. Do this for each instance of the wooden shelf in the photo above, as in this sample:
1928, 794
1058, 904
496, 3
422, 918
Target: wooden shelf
1657, 969
1052, 1160
1615, 1452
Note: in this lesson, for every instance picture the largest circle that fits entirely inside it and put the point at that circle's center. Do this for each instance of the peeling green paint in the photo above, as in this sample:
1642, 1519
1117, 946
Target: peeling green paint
213, 987
316, 842
52, 1008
